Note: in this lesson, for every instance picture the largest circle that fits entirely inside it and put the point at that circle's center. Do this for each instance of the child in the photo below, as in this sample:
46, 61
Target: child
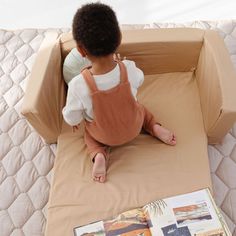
104, 94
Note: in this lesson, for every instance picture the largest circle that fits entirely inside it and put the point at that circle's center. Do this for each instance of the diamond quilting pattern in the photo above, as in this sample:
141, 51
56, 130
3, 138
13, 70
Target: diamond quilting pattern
229, 204
26, 161
6, 224
219, 184
43, 161
9, 191
233, 155
19, 73
30, 229
3, 174
19, 132
27, 171
13, 161
227, 145
13, 44
28, 36
39, 192
3, 106
8, 119
229, 176
5, 83
13, 95
17, 232
24, 52
215, 157
9, 64
6, 144
21, 210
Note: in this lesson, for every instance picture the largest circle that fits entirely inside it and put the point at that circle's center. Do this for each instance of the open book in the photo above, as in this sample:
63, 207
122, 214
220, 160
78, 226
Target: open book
191, 214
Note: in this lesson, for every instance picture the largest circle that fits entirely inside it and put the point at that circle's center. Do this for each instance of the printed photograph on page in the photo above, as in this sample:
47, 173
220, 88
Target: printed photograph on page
94, 229
129, 223
186, 215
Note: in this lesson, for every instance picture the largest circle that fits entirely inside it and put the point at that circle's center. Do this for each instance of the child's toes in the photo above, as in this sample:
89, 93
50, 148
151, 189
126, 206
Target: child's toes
95, 179
173, 140
102, 178
99, 178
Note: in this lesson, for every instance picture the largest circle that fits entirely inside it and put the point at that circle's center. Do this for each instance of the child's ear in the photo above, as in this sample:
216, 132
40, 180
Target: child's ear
81, 50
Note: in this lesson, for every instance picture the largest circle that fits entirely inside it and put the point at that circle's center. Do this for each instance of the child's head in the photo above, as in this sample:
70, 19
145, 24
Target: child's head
96, 30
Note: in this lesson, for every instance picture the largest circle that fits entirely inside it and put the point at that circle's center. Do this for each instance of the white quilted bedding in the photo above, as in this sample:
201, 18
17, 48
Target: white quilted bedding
26, 161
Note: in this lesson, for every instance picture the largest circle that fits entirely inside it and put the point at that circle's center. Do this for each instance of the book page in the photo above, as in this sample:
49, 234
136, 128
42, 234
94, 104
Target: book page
93, 229
131, 223
187, 214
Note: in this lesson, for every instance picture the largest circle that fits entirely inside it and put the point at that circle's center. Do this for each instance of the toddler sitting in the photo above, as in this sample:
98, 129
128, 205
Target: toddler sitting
103, 90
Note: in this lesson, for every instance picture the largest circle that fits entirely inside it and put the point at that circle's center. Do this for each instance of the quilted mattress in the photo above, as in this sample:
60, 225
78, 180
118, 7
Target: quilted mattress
26, 161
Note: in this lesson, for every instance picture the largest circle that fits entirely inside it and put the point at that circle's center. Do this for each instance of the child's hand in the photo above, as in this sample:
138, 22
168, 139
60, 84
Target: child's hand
75, 128
117, 57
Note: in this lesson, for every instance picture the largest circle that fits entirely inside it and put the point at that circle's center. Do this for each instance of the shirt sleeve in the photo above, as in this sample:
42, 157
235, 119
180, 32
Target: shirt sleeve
140, 76
135, 75
73, 110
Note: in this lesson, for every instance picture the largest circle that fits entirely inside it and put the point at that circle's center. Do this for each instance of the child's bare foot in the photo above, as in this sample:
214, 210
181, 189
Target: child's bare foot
99, 168
164, 134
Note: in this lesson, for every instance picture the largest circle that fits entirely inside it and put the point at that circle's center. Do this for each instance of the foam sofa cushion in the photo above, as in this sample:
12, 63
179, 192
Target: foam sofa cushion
188, 80
177, 49
140, 171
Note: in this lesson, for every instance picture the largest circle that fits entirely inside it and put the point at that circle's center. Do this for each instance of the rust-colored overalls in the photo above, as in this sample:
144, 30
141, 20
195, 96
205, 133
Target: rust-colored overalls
118, 117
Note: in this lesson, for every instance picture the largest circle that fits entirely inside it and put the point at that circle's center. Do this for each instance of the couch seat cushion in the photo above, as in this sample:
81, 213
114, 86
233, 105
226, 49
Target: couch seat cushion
140, 171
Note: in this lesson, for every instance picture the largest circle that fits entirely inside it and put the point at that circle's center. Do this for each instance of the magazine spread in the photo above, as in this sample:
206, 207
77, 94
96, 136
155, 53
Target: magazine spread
192, 214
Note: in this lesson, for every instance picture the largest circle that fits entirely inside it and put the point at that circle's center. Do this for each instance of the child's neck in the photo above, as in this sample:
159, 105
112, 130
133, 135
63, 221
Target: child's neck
102, 65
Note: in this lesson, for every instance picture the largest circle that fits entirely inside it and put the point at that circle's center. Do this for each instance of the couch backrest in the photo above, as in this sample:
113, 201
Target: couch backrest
155, 50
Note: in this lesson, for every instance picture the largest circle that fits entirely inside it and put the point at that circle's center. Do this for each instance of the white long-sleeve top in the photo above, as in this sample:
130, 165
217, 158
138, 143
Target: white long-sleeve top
79, 103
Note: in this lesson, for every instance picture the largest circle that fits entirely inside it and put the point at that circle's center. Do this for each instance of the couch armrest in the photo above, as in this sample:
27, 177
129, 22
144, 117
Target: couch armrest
45, 91
216, 79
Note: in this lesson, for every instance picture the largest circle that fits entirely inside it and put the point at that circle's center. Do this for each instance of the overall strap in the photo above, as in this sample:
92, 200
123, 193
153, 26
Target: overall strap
89, 80
123, 72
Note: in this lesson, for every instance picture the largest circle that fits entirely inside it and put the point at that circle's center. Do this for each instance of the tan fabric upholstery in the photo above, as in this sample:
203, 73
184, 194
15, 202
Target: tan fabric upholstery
216, 80
140, 171
188, 75
171, 49
45, 93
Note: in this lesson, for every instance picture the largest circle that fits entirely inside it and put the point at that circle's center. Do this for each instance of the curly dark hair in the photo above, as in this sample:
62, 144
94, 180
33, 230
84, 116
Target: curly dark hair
96, 28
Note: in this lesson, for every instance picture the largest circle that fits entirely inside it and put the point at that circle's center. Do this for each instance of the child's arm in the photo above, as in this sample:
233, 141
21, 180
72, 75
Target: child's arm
136, 76
136, 72
140, 77
73, 110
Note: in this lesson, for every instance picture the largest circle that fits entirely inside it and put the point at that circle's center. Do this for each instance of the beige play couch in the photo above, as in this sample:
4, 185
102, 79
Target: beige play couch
190, 88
